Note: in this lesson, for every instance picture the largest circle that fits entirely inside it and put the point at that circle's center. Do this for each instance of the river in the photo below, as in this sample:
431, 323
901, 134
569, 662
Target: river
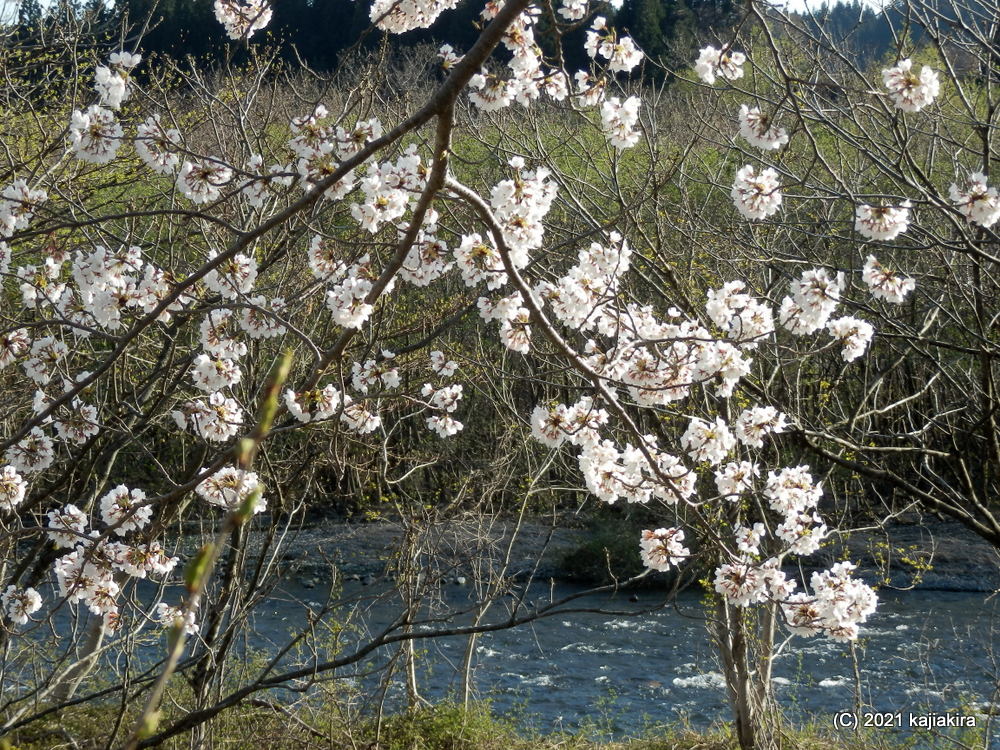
614, 675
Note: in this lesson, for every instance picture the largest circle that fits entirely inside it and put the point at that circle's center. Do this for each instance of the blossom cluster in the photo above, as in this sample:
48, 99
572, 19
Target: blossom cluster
663, 548
909, 91
756, 195
759, 130
978, 202
91, 571
622, 54
724, 63
882, 222
242, 18
838, 603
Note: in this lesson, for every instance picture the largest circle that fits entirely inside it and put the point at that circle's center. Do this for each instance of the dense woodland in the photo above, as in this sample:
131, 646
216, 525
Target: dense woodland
319, 32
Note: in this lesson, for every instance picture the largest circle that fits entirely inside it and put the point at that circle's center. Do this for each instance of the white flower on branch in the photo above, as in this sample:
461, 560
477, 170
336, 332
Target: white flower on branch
233, 277
882, 222
140, 560
213, 374
742, 583
736, 478
759, 130
121, 504
792, 490
722, 63
19, 604
168, 615
663, 548
910, 92
400, 16
18, 203
884, 282
708, 441
619, 120
242, 18
855, 334
157, 145
201, 182
978, 202
307, 406
216, 420
814, 298
95, 134
12, 489
756, 423
756, 195
32, 454
229, 487
66, 525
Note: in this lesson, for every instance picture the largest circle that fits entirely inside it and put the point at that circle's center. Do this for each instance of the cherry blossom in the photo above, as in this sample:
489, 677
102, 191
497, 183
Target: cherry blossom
125, 510
19, 604
95, 134
976, 200
908, 91
320, 403
242, 18
756, 195
853, 333
708, 441
619, 119
229, 487
201, 182
882, 222
722, 63
168, 615
759, 130
884, 282
663, 548
12, 489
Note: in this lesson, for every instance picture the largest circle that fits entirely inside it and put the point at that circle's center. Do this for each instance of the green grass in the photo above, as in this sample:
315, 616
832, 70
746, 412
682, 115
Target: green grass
446, 726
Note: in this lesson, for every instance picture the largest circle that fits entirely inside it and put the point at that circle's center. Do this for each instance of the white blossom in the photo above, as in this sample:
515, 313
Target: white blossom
95, 134
19, 604
125, 509
884, 282
320, 403
759, 130
66, 525
756, 423
855, 334
229, 487
12, 489
910, 92
168, 615
756, 195
882, 222
976, 200
242, 18
722, 63
708, 441
619, 120
201, 182
663, 548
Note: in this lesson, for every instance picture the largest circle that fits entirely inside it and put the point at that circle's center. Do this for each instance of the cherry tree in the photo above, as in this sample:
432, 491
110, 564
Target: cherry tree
216, 286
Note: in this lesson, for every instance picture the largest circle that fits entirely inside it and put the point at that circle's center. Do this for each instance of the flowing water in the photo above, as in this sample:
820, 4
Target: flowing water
923, 651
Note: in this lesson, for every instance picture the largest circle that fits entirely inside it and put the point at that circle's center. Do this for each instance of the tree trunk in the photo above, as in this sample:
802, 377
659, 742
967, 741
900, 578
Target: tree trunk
747, 688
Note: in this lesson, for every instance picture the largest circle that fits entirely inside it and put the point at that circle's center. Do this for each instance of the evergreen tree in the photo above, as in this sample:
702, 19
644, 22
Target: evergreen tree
29, 13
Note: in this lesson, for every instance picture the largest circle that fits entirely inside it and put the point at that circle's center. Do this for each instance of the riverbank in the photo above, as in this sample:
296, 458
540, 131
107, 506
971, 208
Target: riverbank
932, 555
447, 726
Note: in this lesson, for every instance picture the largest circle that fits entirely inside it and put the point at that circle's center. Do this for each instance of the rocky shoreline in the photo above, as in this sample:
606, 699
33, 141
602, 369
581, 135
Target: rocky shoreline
933, 555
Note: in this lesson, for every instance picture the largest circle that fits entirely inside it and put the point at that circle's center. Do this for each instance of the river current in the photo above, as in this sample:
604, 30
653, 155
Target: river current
614, 675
